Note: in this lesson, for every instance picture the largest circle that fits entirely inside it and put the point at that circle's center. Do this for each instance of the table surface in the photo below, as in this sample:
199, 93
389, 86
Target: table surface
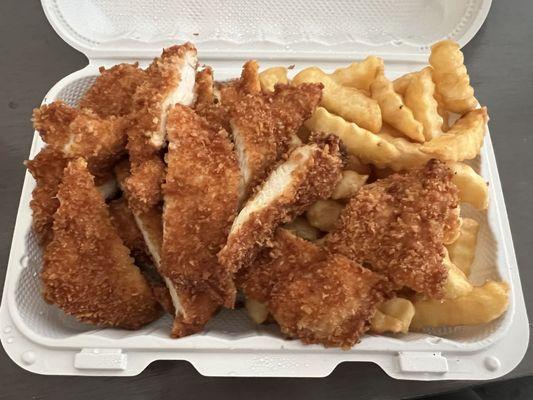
499, 60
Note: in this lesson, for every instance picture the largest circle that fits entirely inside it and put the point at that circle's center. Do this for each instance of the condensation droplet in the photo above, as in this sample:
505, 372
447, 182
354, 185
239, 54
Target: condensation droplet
492, 363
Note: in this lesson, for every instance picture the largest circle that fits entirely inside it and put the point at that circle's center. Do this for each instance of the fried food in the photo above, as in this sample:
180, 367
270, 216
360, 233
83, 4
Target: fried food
394, 315
420, 98
264, 126
309, 174
463, 251
359, 75
87, 270
302, 228
169, 80
82, 133
257, 311
396, 226
112, 92
464, 139
347, 102
400, 84
270, 77
472, 187
367, 146
409, 155
198, 208
393, 109
313, 295
451, 78
323, 214
349, 184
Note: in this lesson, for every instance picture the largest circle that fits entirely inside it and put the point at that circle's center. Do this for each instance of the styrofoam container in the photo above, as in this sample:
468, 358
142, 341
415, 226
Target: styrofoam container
41, 339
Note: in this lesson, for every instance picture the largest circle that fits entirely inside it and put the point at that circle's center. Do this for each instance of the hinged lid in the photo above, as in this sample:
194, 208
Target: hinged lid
235, 28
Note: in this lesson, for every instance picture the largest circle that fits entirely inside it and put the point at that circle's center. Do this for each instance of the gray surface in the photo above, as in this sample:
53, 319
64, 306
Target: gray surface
34, 58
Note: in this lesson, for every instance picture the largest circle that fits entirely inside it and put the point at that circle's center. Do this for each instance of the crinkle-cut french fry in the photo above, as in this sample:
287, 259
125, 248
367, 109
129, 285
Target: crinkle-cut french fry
472, 187
451, 77
400, 84
481, 305
393, 315
464, 139
302, 228
410, 154
347, 102
393, 109
457, 284
370, 148
324, 214
463, 251
419, 97
349, 184
359, 75
256, 310
270, 77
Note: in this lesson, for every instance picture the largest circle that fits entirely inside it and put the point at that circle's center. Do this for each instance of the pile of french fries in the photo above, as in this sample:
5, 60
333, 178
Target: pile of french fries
390, 126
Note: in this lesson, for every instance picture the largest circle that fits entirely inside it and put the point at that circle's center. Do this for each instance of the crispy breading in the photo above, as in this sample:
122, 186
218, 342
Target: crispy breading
200, 201
264, 125
396, 226
309, 174
169, 80
47, 169
82, 133
112, 91
87, 270
312, 294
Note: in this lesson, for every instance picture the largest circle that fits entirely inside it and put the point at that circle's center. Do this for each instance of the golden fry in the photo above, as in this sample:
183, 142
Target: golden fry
349, 184
256, 310
400, 84
394, 316
472, 187
302, 228
463, 251
359, 75
393, 110
410, 155
347, 102
270, 77
324, 214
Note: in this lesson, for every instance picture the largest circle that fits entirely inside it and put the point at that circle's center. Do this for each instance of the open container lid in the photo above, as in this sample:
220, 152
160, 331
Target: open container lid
108, 29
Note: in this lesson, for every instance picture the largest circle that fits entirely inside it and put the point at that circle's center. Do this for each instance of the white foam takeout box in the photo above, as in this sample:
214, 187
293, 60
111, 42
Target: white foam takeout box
41, 339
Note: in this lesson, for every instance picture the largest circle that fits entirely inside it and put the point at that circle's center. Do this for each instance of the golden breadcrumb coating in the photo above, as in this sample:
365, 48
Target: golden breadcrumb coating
87, 270
47, 169
200, 202
396, 226
310, 173
314, 295
82, 133
147, 136
112, 92
264, 125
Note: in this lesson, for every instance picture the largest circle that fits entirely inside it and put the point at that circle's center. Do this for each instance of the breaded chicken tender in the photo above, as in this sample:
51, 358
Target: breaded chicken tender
169, 80
112, 92
87, 270
310, 173
82, 133
396, 226
265, 125
314, 295
200, 201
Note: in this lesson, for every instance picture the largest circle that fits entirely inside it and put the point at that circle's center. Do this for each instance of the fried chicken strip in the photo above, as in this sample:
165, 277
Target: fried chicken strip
112, 92
310, 173
265, 125
314, 295
200, 201
87, 270
396, 226
169, 80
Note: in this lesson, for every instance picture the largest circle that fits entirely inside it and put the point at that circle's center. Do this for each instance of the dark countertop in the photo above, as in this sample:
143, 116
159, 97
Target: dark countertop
34, 58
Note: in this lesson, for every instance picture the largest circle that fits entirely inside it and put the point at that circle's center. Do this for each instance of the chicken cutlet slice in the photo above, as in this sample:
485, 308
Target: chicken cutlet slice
396, 227
310, 173
198, 208
82, 133
112, 92
87, 270
265, 125
169, 80
314, 295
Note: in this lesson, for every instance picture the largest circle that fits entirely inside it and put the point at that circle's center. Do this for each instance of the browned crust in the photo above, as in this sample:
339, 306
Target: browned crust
82, 133
47, 169
396, 227
311, 181
87, 270
316, 296
200, 202
112, 92
265, 124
